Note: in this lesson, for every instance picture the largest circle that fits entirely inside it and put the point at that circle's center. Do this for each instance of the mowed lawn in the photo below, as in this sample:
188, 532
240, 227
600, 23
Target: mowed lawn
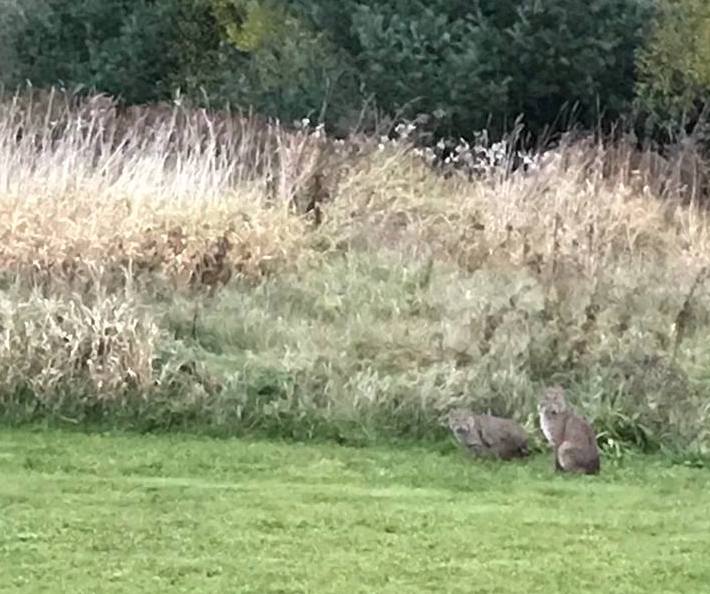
115, 513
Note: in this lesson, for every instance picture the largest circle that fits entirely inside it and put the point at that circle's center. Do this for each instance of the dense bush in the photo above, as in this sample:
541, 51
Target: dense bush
468, 65
130, 48
484, 64
674, 78
281, 65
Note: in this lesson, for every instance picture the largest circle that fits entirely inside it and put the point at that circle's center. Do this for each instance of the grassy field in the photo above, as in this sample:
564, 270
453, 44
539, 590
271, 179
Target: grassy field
169, 268
115, 513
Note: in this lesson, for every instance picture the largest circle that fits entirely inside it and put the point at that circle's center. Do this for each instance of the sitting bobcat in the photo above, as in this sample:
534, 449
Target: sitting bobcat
571, 436
488, 436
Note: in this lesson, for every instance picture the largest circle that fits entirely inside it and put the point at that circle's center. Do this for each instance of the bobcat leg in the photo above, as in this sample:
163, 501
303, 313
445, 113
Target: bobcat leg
556, 466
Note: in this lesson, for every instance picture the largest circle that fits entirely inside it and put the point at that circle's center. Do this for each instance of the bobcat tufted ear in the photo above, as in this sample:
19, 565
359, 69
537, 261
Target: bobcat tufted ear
555, 391
555, 395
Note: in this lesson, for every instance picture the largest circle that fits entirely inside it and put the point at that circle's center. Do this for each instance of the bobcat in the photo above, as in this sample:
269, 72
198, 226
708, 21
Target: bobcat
488, 436
571, 436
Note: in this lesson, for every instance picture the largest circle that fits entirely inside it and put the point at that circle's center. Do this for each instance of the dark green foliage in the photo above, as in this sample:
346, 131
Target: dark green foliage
565, 52
130, 48
674, 78
281, 64
469, 65
443, 65
482, 64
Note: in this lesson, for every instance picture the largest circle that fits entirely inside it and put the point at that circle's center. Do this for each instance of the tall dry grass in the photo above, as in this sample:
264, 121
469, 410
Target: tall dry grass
182, 194
267, 275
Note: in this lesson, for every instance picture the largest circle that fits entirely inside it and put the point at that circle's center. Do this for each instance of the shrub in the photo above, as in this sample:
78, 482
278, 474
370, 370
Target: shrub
481, 66
466, 67
674, 79
131, 48
283, 66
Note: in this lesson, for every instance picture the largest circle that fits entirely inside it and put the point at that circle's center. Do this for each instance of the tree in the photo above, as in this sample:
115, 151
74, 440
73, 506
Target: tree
134, 49
289, 69
481, 64
674, 67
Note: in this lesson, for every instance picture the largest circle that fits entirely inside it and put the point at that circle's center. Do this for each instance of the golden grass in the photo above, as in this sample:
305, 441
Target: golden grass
169, 189
76, 348
172, 197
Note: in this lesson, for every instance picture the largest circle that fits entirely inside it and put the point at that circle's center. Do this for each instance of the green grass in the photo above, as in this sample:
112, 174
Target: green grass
118, 513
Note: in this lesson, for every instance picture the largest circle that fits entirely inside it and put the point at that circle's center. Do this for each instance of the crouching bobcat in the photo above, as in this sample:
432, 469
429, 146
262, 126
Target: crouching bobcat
488, 436
572, 438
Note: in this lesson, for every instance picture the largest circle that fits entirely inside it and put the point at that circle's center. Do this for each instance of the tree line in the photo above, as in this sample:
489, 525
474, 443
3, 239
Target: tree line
458, 65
